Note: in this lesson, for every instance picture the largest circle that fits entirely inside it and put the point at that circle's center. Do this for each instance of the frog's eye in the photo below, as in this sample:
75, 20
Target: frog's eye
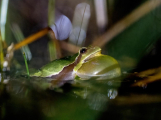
83, 50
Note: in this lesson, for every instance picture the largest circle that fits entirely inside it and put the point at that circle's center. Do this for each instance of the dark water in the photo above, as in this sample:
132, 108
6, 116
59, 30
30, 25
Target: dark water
34, 98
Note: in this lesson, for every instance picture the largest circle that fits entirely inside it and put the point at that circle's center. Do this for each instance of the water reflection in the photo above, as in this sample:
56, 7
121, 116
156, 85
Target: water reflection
48, 107
4, 78
97, 101
34, 95
96, 93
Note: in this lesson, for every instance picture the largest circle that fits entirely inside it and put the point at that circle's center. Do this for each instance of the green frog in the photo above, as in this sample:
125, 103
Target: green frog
87, 63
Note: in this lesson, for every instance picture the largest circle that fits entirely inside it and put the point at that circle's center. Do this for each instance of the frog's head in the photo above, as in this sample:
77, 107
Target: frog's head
86, 53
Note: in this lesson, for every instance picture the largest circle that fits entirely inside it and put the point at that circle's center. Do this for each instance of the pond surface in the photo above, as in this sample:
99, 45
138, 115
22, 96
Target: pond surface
34, 98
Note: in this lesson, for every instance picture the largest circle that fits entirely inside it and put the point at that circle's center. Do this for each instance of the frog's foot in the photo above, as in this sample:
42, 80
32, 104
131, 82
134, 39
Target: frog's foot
36, 74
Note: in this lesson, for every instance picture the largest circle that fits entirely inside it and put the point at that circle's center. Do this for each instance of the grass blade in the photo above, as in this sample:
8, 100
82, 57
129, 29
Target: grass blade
28, 74
3, 17
1, 55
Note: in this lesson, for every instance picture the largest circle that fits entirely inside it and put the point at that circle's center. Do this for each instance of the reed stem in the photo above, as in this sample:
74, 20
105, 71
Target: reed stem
28, 74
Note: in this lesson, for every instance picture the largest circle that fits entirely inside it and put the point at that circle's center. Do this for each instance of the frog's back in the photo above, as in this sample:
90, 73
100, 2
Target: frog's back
55, 66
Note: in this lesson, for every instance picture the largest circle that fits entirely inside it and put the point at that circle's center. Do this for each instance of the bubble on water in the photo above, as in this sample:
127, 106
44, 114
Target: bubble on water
112, 93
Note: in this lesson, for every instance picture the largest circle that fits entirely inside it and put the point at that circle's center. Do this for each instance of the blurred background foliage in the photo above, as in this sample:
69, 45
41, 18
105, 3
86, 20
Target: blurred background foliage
128, 46
127, 30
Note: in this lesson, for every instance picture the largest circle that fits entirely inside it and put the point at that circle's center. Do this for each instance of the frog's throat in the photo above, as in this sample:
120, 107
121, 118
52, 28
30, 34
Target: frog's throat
98, 53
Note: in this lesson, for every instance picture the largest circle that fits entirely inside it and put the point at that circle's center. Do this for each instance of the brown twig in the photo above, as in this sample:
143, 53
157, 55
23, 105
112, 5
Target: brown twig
32, 38
150, 79
69, 47
150, 75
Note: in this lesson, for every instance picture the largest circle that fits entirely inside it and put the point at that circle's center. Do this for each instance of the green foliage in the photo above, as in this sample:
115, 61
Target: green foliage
1, 55
28, 74
133, 43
